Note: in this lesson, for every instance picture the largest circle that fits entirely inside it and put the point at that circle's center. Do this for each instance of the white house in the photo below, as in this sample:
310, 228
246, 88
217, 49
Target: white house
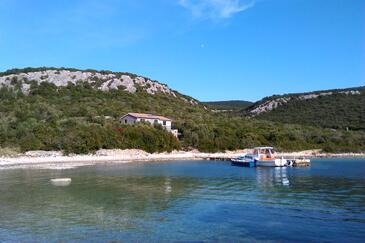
165, 122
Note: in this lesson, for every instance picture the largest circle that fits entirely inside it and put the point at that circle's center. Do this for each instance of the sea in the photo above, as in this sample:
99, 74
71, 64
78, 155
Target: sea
185, 201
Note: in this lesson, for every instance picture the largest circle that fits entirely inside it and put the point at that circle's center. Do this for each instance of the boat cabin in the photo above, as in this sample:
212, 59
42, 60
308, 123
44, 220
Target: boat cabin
264, 152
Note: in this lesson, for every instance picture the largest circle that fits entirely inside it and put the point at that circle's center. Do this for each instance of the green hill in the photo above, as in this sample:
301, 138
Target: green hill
338, 109
78, 111
229, 105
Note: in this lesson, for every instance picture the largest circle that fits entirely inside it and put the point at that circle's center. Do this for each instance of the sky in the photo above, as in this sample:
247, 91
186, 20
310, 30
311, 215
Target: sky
208, 49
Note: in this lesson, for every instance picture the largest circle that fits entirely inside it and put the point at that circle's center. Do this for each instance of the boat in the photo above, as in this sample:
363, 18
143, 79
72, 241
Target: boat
265, 156
246, 160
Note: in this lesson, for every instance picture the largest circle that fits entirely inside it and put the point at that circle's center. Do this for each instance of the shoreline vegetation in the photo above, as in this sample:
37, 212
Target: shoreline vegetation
56, 160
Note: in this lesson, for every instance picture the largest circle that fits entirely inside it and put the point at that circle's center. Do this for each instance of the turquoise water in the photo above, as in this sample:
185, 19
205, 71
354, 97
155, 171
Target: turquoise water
186, 201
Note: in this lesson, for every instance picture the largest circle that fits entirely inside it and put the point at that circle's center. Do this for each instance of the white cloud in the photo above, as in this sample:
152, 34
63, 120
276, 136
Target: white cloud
215, 9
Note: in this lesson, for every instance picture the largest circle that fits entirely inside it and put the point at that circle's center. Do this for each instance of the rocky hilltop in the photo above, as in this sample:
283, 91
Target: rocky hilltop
102, 80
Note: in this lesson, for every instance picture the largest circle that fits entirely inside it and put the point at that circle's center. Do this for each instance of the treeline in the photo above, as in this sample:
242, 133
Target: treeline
224, 133
81, 119
77, 136
338, 111
229, 105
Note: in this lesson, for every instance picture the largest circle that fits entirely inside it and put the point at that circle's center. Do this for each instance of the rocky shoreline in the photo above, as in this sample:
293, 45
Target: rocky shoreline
56, 160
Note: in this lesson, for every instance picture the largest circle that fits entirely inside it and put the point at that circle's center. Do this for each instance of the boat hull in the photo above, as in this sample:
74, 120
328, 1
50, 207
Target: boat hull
243, 163
272, 163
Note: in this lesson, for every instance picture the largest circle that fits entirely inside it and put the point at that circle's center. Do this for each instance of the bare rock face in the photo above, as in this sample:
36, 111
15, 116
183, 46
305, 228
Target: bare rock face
269, 105
104, 82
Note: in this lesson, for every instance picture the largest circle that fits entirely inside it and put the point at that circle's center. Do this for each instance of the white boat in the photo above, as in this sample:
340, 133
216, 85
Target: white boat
265, 156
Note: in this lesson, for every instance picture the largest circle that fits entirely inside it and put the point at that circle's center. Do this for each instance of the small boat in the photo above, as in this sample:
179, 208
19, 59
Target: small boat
246, 160
265, 156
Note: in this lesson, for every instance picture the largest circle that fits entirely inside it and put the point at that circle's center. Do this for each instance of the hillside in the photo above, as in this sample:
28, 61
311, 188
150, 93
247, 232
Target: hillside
229, 105
339, 109
51, 108
78, 111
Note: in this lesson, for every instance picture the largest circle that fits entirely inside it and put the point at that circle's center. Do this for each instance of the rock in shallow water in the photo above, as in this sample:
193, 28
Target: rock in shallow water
61, 181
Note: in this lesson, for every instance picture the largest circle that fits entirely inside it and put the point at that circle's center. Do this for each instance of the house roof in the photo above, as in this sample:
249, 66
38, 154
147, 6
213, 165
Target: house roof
147, 116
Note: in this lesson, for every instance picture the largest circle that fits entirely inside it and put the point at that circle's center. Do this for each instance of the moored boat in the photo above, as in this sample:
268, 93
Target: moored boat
265, 156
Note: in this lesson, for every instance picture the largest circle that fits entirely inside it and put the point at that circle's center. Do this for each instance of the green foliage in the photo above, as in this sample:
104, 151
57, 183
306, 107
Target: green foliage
229, 105
9, 151
338, 111
223, 133
80, 119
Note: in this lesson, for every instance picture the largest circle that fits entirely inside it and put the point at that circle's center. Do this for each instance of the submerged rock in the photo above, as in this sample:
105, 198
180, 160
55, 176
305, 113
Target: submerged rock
61, 181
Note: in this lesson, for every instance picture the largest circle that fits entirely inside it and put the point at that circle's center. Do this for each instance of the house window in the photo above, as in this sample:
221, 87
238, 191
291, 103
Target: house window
125, 121
155, 121
142, 120
164, 123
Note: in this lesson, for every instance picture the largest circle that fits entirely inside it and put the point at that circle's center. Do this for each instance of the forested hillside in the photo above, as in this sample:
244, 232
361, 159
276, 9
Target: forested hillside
229, 105
338, 109
78, 112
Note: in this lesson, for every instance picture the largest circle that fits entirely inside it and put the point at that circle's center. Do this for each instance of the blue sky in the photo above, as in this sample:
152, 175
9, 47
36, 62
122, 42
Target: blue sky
209, 49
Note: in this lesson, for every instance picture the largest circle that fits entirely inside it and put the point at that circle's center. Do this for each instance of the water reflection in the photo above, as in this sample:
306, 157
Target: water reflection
271, 177
168, 188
